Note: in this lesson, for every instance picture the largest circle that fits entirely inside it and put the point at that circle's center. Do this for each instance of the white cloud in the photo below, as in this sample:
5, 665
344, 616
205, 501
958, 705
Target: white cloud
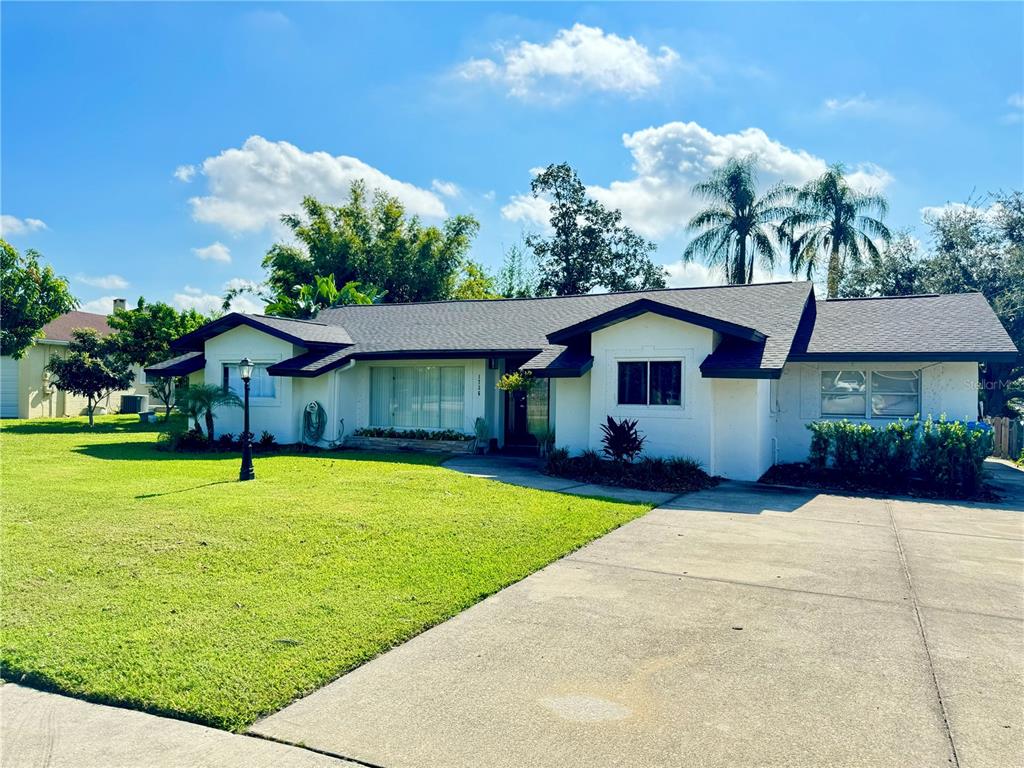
853, 105
1016, 104
107, 282
208, 303
669, 159
12, 225
529, 210
101, 306
446, 188
251, 186
578, 59
185, 173
214, 252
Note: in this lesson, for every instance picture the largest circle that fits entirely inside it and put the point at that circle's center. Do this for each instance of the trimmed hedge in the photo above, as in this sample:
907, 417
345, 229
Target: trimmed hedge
936, 457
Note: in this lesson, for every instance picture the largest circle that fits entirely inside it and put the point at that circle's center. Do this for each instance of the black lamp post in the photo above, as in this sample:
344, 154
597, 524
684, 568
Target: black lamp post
247, 473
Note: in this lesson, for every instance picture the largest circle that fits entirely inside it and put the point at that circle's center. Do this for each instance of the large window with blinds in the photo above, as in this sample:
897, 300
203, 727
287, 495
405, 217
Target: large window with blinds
418, 397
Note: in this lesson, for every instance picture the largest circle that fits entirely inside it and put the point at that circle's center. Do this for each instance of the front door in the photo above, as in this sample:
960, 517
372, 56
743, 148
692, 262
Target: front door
526, 417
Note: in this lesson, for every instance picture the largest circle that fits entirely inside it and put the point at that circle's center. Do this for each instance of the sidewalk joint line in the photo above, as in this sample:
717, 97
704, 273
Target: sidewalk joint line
574, 559
923, 634
325, 752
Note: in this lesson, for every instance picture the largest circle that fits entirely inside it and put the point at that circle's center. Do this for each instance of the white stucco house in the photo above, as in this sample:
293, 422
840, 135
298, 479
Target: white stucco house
727, 375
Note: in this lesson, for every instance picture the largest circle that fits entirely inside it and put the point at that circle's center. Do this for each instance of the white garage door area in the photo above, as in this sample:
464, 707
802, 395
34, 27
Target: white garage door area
8, 388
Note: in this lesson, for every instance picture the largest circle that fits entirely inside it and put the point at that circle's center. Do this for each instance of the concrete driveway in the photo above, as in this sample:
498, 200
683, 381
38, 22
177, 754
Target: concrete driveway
741, 626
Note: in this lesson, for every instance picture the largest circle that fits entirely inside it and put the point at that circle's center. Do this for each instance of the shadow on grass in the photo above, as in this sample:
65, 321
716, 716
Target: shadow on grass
105, 425
185, 490
140, 450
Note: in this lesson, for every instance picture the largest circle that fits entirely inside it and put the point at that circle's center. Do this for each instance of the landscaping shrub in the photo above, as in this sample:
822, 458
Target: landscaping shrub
677, 475
192, 440
226, 442
267, 442
622, 441
413, 434
937, 457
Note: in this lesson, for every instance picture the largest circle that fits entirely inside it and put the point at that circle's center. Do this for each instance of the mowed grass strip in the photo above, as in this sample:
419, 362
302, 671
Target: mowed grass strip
156, 581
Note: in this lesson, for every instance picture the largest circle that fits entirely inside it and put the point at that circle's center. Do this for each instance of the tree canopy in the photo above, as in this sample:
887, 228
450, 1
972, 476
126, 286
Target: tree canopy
589, 246
738, 227
31, 295
143, 334
369, 241
833, 223
92, 368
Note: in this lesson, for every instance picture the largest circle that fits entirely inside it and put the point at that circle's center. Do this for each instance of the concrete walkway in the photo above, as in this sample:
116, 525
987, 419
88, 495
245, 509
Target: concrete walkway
740, 626
44, 730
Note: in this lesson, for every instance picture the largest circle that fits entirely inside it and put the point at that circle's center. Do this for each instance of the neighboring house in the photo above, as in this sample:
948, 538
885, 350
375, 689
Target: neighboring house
25, 388
728, 375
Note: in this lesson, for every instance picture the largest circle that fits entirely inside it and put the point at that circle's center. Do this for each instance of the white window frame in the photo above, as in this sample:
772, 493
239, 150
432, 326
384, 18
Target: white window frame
647, 361
868, 374
256, 402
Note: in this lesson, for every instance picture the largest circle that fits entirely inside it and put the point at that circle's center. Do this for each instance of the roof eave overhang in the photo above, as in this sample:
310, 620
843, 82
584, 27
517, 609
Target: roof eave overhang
568, 372
905, 357
179, 369
740, 373
644, 306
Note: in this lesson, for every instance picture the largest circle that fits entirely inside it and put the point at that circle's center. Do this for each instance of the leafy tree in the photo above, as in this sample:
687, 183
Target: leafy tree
832, 221
738, 226
162, 388
898, 271
31, 295
590, 247
370, 242
92, 369
143, 334
202, 400
978, 249
516, 279
475, 283
322, 293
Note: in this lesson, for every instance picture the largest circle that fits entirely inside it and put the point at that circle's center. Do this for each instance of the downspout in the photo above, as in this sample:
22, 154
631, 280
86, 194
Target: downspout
338, 432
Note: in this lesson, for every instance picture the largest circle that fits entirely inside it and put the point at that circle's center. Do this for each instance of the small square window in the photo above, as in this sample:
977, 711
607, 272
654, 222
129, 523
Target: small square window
843, 393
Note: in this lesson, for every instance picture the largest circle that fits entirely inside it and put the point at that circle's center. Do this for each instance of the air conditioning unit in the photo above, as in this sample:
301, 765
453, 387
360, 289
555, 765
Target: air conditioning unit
134, 403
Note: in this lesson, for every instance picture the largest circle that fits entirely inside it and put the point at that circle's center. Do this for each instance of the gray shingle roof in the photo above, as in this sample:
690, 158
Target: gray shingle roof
509, 325
936, 327
302, 332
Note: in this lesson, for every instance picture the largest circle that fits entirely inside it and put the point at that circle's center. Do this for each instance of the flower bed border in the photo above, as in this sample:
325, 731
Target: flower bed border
361, 443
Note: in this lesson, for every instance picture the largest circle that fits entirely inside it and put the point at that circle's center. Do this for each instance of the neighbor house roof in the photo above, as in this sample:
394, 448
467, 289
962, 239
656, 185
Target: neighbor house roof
932, 327
762, 327
59, 330
302, 332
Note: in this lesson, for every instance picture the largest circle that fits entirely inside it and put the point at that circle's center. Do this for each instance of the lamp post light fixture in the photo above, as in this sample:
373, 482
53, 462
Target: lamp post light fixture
247, 472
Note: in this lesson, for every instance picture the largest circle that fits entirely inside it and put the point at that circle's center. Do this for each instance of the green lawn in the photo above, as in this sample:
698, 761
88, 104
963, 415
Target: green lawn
155, 581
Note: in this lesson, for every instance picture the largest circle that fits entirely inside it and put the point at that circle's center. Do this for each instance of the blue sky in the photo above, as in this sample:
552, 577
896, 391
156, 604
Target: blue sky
148, 149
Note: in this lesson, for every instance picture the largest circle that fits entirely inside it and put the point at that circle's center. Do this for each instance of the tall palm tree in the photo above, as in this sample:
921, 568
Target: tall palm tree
738, 225
833, 219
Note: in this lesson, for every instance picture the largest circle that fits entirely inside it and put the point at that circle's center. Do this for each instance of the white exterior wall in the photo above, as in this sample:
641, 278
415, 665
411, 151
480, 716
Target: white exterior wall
571, 412
279, 415
671, 430
946, 388
743, 433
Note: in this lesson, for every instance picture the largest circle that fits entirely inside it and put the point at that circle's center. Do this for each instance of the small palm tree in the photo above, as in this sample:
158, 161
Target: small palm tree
833, 219
738, 225
201, 400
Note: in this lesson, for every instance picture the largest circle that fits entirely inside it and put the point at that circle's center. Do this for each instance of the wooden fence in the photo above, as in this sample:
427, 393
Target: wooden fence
1008, 437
